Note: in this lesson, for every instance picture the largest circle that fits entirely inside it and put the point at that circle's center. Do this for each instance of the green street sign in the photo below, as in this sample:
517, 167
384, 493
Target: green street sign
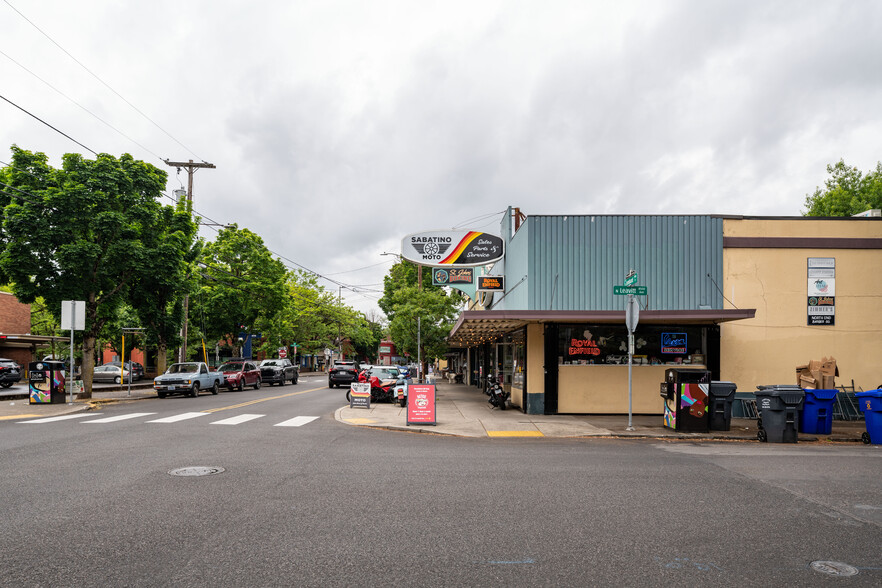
631, 279
636, 290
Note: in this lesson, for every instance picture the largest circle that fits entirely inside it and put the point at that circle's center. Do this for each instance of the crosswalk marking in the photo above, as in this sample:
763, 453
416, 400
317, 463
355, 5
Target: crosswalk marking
238, 419
180, 417
59, 418
296, 421
121, 417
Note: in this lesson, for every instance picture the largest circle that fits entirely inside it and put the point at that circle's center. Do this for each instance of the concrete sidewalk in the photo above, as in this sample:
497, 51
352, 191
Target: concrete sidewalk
464, 411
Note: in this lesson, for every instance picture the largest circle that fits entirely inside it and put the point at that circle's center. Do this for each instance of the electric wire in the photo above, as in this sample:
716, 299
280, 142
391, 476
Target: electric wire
48, 125
106, 85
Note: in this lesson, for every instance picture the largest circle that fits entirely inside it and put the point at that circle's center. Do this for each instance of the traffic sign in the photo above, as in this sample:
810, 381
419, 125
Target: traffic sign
624, 290
283, 352
632, 315
631, 278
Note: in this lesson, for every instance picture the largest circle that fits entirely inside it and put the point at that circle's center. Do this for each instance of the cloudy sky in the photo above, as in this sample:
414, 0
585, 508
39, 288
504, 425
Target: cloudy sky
338, 127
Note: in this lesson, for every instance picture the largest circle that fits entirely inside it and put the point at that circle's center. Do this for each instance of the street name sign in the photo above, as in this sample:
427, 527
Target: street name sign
624, 290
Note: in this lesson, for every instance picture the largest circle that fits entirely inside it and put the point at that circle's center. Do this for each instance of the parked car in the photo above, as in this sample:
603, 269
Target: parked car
136, 368
187, 378
239, 373
386, 372
342, 372
10, 373
278, 371
109, 373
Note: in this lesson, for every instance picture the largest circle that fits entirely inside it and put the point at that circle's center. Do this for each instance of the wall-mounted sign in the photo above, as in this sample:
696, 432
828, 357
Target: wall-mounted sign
673, 343
821, 290
446, 276
491, 283
466, 248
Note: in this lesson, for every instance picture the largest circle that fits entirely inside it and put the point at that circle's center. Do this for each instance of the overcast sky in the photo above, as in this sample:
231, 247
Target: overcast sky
339, 127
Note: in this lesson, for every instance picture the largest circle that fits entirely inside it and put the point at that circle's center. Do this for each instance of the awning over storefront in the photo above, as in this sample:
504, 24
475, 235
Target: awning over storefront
29, 340
477, 326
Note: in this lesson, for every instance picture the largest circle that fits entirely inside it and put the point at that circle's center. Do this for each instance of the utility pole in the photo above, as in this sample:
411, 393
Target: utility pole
191, 168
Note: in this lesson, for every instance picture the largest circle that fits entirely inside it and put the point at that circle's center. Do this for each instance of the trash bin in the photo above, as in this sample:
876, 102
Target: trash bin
817, 412
686, 392
46, 382
722, 395
871, 404
778, 408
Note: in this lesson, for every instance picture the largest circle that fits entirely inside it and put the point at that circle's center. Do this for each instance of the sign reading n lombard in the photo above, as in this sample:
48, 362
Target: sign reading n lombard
462, 248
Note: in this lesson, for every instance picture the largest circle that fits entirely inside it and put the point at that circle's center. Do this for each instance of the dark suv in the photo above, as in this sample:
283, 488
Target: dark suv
342, 372
10, 373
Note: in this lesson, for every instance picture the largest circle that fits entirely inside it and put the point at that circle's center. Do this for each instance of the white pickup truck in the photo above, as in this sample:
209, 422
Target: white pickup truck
187, 378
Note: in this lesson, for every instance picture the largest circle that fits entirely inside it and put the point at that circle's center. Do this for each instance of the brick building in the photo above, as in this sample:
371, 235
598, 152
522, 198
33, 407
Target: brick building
16, 341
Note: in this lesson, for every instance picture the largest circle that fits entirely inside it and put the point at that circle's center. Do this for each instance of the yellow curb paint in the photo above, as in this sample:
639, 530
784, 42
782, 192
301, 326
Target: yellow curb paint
515, 434
261, 400
360, 421
21, 416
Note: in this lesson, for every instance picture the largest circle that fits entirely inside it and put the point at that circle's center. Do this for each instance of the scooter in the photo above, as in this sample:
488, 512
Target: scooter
381, 391
498, 396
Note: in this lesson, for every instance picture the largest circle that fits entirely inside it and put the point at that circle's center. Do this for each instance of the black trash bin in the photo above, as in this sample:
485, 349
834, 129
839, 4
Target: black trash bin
685, 392
778, 408
722, 395
46, 382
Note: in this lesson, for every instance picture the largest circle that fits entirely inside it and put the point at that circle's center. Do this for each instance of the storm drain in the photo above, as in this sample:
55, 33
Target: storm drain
834, 568
196, 471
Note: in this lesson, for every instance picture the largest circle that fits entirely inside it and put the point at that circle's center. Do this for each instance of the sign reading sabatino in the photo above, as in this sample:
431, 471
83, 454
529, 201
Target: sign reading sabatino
464, 248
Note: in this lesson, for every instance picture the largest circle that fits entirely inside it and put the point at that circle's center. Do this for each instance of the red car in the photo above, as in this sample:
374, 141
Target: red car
240, 373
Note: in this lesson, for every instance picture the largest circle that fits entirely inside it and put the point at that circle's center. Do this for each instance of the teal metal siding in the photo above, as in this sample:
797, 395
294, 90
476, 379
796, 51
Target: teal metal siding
574, 261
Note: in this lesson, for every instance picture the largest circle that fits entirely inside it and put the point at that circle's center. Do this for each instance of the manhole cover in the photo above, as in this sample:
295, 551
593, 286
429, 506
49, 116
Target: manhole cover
834, 568
196, 471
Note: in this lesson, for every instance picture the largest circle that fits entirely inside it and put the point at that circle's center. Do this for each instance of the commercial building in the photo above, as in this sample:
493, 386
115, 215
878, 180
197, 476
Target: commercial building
748, 298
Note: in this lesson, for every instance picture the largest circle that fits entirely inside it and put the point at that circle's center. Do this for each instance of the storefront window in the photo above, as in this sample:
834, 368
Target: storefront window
653, 345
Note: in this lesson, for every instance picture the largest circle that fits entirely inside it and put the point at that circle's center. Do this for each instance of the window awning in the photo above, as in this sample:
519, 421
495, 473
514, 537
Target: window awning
478, 326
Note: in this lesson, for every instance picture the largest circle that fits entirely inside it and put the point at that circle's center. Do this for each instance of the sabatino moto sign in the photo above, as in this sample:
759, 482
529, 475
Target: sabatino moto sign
462, 248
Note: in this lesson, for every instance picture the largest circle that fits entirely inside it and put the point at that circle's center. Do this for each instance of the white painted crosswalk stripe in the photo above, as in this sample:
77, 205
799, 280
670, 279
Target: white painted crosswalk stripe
296, 421
180, 417
236, 420
59, 418
122, 417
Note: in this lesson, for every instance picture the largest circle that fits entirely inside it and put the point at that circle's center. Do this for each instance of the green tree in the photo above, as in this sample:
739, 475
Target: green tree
242, 286
77, 234
419, 318
847, 192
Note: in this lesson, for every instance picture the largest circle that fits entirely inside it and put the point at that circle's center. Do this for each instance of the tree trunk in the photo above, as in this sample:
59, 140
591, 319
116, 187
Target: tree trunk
88, 366
161, 358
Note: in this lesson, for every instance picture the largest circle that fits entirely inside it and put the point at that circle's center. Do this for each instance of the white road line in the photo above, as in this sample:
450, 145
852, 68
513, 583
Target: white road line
180, 417
238, 419
59, 418
121, 417
296, 421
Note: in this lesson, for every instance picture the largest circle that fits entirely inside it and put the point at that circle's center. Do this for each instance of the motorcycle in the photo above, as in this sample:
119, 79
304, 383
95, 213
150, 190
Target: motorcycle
498, 396
381, 391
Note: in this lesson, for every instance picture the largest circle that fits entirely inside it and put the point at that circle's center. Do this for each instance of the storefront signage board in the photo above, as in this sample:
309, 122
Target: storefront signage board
624, 290
673, 343
456, 248
449, 276
821, 290
421, 404
359, 395
491, 283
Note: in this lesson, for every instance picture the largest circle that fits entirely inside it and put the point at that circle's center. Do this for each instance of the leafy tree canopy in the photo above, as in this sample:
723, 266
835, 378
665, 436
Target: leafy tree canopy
847, 192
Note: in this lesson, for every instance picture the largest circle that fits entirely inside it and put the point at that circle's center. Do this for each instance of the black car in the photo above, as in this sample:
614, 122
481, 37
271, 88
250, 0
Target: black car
278, 371
10, 372
136, 368
342, 372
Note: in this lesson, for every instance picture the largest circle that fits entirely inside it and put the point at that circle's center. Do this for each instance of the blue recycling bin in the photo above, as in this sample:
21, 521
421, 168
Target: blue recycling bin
817, 412
871, 403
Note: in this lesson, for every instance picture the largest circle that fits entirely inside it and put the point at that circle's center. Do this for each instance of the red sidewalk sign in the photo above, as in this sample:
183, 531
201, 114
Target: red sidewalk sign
421, 404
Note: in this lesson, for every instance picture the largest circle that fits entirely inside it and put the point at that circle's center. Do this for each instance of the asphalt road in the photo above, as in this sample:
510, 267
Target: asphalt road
88, 501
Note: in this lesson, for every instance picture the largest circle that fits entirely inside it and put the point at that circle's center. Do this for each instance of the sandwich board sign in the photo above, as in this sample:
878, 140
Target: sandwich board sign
421, 404
360, 395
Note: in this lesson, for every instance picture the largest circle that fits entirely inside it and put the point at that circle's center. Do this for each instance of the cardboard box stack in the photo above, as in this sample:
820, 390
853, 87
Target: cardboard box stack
818, 374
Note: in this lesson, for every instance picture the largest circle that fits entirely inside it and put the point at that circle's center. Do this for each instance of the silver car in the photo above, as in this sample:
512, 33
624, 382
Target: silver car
110, 373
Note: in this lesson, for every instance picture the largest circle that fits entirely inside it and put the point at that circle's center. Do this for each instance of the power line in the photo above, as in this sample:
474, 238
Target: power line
48, 125
106, 85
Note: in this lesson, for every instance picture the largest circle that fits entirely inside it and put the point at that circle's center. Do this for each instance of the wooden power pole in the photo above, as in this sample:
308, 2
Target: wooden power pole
191, 168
